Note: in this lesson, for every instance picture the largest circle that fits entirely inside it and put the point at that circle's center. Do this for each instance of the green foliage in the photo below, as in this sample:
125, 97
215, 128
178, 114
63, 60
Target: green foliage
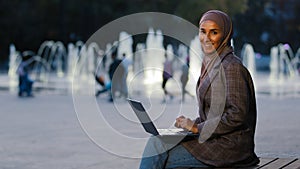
193, 9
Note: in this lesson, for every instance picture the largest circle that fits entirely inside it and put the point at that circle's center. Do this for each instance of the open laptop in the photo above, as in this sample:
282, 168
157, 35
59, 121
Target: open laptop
148, 125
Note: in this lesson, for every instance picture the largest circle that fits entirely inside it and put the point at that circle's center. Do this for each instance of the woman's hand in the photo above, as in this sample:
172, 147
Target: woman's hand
186, 123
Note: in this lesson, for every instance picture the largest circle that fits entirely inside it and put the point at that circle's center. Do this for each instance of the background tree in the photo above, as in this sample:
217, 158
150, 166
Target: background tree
27, 23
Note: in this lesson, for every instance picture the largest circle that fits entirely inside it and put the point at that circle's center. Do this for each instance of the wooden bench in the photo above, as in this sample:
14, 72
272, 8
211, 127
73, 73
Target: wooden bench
276, 163
271, 163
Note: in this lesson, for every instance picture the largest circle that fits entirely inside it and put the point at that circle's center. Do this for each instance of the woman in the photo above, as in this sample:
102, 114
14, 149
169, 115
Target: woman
227, 108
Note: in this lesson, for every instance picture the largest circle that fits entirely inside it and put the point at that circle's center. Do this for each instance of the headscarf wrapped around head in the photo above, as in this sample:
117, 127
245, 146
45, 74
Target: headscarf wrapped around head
224, 22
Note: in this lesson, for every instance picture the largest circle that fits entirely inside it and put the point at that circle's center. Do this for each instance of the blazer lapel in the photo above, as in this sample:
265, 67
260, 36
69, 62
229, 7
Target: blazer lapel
211, 75
208, 79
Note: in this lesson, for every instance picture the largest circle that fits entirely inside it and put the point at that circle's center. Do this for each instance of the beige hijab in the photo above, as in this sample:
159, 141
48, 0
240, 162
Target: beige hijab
225, 23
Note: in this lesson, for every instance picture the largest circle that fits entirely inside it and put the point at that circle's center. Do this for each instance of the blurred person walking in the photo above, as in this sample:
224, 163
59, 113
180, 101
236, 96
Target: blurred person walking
105, 84
167, 74
184, 78
25, 83
116, 74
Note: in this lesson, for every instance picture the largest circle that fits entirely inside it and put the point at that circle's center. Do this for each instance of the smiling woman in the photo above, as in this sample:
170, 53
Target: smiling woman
227, 108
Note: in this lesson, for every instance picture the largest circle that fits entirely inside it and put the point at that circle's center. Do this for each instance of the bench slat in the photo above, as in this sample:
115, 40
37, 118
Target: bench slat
293, 165
271, 163
278, 163
265, 161
262, 162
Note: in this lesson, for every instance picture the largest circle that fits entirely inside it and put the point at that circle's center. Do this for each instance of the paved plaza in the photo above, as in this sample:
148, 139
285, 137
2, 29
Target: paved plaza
56, 129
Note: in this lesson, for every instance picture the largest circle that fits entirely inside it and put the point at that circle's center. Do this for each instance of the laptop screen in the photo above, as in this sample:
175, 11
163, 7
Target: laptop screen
143, 117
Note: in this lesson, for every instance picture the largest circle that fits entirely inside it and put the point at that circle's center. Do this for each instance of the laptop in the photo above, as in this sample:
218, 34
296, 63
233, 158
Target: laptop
149, 126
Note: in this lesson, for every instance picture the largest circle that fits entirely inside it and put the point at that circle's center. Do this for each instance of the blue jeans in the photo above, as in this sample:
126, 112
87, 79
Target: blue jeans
158, 155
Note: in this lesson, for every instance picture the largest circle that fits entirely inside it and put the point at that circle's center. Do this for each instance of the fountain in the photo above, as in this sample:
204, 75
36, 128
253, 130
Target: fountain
125, 45
108, 60
284, 71
182, 51
14, 61
57, 57
286, 60
87, 62
274, 64
182, 55
15, 58
51, 56
54, 64
248, 58
283, 64
43, 52
54, 54
138, 57
154, 58
71, 57
296, 62
93, 52
196, 57
170, 52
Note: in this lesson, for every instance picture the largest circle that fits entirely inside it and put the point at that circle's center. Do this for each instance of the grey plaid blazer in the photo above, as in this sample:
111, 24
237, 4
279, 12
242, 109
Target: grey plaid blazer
228, 137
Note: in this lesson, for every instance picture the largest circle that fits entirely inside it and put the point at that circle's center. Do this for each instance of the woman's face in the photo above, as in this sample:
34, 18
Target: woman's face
210, 35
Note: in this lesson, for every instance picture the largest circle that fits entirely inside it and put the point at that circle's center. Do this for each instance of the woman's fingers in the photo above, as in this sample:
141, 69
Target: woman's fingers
178, 122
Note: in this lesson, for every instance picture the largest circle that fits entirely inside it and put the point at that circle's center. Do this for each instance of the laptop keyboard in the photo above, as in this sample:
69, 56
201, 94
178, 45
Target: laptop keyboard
172, 132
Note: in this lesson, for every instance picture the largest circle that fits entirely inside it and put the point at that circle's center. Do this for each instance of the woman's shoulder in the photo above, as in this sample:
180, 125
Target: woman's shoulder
233, 63
231, 59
